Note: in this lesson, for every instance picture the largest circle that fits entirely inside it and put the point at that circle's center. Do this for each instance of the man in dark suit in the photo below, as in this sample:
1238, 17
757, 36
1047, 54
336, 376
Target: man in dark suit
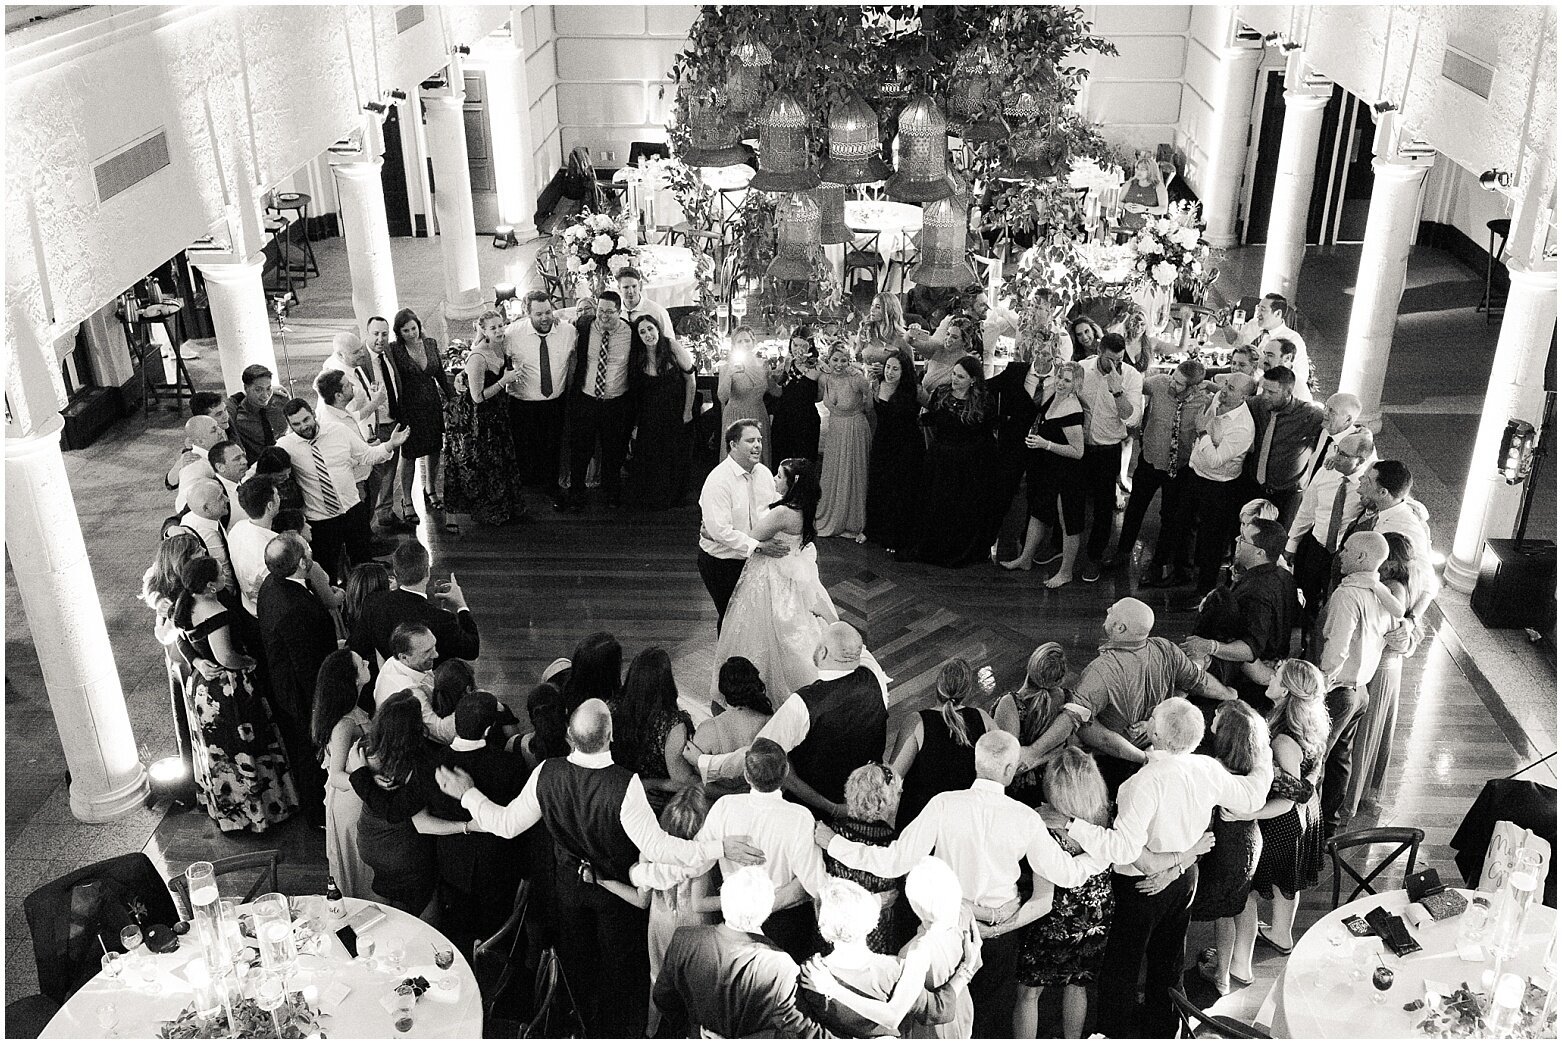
728, 979
599, 401
299, 634
455, 631
1019, 390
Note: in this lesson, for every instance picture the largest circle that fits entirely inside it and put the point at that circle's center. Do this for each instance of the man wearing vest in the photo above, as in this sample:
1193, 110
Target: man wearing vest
829, 728
598, 817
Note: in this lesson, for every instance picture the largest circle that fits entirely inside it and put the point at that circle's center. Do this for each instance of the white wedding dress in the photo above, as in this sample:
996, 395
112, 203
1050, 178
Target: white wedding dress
777, 615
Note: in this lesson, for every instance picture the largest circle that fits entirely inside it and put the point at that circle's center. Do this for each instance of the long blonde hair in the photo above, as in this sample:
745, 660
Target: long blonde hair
1073, 785
1302, 714
956, 679
891, 329
1041, 694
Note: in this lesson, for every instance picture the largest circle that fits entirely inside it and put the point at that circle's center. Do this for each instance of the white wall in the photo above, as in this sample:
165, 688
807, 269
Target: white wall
1137, 95
1454, 197
612, 62
540, 39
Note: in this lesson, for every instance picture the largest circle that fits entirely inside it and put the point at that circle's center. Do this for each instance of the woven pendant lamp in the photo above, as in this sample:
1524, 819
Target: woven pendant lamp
797, 238
753, 53
854, 145
783, 148
713, 141
943, 246
924, 151
976, 84
743, 92
832, 213
1035, 153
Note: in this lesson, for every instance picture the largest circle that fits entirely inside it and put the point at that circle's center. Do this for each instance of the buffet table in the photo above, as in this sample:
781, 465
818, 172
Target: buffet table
456, 1012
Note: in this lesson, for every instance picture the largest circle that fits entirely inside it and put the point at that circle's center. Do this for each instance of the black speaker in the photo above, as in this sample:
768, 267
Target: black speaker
1517, 584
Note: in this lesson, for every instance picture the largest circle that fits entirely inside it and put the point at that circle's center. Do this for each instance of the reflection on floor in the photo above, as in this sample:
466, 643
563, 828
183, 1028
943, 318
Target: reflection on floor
538, 589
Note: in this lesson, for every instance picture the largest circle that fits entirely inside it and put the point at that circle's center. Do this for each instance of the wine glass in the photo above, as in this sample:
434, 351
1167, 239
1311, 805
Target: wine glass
395, 953
269, 995
444, 957
1382, 979
146, 969
130, 937
108, 1018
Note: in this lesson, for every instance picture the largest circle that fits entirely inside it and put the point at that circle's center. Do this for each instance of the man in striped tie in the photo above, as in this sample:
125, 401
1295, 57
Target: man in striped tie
323, 459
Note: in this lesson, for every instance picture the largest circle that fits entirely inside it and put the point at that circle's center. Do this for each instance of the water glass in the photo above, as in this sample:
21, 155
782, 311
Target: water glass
270, 995
395, 953
146, 968
403, 1014
108, 1018
113, 964
274, 933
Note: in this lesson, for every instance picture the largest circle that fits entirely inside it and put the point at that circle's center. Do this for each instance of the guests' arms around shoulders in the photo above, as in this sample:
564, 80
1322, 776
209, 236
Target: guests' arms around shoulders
798, 788
788, 726
1047, 858
509, 820
640, 897
896, 858
1103, 740
1288, 758
910, 745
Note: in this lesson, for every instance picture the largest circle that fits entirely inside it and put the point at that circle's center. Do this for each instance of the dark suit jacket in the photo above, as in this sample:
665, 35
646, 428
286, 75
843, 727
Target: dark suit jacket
299, 634
483, 866
455, 633
731, 983
584, 328
1016, 410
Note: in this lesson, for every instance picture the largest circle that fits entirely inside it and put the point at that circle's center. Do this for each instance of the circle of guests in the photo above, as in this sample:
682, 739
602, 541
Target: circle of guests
823, 880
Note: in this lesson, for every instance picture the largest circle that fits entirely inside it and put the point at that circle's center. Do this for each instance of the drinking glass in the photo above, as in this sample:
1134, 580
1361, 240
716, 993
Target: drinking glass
403, 1014
113, 964
1384, 972
395, 953
270, 995
146, 969
444, 957
130, 937
108, 1018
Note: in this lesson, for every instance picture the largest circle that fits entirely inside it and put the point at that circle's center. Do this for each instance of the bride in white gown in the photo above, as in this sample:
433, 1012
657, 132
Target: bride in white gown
779, 609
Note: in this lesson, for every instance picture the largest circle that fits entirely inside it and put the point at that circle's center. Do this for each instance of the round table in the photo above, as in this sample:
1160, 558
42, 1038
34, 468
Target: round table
1304, 1009
455, 1013
669, 275
895, 223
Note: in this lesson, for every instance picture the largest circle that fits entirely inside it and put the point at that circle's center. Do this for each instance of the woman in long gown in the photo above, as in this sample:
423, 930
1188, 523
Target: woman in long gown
481, 474
742, 383
241, 768
957, 482
1055, 483
338, 724
843, 486
795, 428
896, 457
884, 332
424, 388
661, 381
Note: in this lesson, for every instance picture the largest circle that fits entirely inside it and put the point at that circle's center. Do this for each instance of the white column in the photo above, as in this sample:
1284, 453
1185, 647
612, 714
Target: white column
368, 238
1227, 153
1516, 391
1287, 235
510, 127
1392, 219
54, 578
446, 129
236, 295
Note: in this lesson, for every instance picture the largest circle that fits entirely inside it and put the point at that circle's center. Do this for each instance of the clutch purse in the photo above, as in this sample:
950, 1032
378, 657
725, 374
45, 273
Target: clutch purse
1427, 888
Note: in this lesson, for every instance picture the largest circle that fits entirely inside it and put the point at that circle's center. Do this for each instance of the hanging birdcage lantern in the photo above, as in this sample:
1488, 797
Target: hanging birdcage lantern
797, 238
713, 140
896, 85
924, 154
1035, 148
976, 84
783, 148
753, 53
942, 243
743, 91
855, 145
832, 213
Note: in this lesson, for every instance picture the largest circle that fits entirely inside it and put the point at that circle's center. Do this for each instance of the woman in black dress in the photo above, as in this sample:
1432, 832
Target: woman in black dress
1055, 487
1028, 711
1226, 872
650, 729
424, 388
938, 752
595, 672
661, 382
240, 766
872, 797
957, 482
482, 478
794, 426
896, 458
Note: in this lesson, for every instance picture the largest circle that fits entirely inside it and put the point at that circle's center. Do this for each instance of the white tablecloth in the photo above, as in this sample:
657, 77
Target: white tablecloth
1304, 1009
895, 223
457, 1014
669, 275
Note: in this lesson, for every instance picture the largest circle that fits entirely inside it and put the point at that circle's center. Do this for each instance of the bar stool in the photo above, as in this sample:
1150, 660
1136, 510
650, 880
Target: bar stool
1496, 230
165, 313
298, 202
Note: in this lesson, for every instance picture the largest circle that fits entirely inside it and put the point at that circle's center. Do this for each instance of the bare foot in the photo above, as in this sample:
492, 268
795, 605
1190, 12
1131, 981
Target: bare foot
1020, 563
1058, 580
860, 538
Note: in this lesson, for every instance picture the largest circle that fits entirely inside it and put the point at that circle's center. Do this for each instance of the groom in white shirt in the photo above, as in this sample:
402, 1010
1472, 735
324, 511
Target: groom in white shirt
736, 493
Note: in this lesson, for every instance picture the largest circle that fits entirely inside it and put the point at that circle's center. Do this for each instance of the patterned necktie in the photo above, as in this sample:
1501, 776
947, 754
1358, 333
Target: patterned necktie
333, 503
1336, 516
390, 384
1173, 464
545, 366
601, 386
1263, 453
365, 384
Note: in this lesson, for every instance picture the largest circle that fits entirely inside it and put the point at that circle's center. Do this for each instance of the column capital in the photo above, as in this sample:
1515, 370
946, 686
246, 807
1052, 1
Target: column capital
445, 102
1237, 54
231, 269
1305, 100
41, 440
1542, 278
358, 168
1398, 170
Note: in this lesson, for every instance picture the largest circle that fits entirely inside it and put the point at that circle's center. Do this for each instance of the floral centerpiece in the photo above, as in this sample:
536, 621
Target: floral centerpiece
251, 1022
1171, 254
598, 247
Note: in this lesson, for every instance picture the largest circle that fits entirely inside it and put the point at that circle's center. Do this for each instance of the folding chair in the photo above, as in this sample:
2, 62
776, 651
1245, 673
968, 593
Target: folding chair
1406, 838
265, 861
494, 961
1195, 1022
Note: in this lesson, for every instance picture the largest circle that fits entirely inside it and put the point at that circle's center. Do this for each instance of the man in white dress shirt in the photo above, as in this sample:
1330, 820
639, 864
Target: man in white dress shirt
323, 458
1331, 503
259, 501
337, 403
411, 666
202, 432
1341, 414
982, 834
1213, 499
599, 404
229, 465
736, 492
382, 371
631, 289
1112, 394
1267, 323
542, 350
352, 360
1163, 808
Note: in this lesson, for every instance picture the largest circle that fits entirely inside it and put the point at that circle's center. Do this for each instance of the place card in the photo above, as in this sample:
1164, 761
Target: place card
333, 994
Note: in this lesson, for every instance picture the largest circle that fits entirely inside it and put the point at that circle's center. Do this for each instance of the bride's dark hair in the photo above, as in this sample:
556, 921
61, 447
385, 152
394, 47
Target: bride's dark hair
802, 493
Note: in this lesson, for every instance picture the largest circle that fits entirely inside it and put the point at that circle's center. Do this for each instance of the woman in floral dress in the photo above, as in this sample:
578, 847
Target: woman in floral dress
872, 805
482, 478
241, 769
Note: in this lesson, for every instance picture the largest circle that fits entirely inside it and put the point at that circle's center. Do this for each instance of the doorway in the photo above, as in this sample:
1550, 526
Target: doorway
393, 178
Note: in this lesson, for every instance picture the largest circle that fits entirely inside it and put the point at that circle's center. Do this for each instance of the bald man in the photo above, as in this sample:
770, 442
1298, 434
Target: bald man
201, 433
1361, 619
1341, 416
1330, 504
600, 821
351, 359
208, 510
829, 728
1119, 690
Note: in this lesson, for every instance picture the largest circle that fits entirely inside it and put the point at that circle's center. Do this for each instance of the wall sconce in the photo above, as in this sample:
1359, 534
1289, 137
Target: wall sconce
504, 236
461, 49
398, 94
374, 107
1271, 38
1494, 179
503, 292
1384, 106
1290, 45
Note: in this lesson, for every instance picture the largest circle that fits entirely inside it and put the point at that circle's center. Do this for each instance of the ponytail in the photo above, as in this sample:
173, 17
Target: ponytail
954, 683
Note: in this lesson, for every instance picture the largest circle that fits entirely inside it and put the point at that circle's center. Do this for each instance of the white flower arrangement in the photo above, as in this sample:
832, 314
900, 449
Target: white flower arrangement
1171, 252
599, 246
